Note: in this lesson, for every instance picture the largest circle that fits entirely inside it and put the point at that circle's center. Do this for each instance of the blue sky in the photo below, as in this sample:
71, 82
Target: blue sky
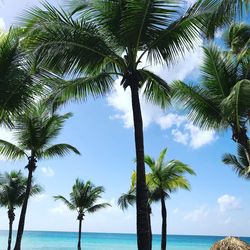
102, 130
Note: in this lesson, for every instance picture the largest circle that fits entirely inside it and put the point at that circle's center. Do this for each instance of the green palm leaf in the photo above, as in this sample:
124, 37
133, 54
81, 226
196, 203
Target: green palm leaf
156, 90
11, 151
59, 150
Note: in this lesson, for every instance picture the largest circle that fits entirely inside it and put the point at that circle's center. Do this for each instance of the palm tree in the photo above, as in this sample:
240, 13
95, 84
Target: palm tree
221, 100
12, 193
34, 132
100, 41
239, 163
83, 199
164, 179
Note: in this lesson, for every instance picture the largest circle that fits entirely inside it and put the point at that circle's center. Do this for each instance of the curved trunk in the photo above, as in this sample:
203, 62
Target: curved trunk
143, 227
11, 216
164, 224
79, 235
23, 212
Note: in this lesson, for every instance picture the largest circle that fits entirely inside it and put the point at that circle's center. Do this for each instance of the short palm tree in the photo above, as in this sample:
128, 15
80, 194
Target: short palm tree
221, 100
165, 178
83, 199
12, 193
239, 163
34, 132
99, 41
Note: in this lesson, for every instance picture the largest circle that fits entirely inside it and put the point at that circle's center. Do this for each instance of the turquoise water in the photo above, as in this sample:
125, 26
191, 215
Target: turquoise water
35, 240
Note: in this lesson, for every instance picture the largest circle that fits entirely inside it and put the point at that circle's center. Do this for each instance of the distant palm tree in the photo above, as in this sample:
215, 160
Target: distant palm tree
12, 193
34, 132
83, 199
103, 40
165, 178
17, 87
239, 163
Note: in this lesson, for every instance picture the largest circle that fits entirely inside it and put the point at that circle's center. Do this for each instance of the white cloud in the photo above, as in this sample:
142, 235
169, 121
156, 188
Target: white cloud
170, 120
180, 137
197, 214
61, 209
200, 137
228, 203
48, 171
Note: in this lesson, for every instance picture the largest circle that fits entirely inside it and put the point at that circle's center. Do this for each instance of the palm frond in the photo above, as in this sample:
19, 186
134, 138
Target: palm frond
155, 89
65, 201
97, 207
76, 45
59, 150
202, 109
127, 199
11, 151
79, 89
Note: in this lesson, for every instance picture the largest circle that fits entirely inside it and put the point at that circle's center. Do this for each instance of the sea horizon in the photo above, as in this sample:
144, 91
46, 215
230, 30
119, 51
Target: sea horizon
62, 240
126, 233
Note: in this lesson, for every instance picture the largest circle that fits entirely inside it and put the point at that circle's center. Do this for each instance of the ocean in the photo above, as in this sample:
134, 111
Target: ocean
36, 240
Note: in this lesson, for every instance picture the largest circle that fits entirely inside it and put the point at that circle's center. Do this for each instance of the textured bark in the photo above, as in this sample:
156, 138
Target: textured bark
79, 234
143, 226
31, 167
11, 216
240, 136
164, 224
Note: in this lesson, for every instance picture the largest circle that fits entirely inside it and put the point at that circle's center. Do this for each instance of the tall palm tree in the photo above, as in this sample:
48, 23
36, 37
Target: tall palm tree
164, 179
100, 41
34, 133
221, 100
83, 199
12, 193
17, 87
239, 163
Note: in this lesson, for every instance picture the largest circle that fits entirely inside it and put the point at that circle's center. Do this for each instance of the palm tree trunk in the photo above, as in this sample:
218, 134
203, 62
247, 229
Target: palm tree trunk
79, 235
143, 227
240, 136
164, 224
23, 212
149, 221
11, 216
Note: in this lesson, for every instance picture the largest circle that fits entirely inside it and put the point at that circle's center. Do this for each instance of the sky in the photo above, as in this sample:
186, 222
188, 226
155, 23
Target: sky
102, 130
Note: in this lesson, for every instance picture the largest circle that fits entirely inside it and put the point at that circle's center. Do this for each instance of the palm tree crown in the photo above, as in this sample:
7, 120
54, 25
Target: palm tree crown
83, 198
12, 189
34, 132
